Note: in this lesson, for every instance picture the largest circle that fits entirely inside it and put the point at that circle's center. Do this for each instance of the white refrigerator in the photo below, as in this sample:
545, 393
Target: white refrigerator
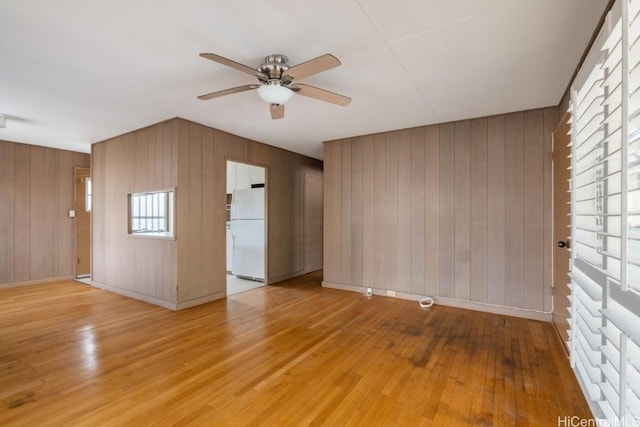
247, 231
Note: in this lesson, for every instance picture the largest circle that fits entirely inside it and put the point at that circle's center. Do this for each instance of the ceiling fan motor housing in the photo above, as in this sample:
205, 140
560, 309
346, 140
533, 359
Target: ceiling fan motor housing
274, 66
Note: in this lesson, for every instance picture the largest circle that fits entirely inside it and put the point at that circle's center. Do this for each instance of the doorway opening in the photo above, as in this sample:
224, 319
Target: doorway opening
313, 220
246, 227
82, 212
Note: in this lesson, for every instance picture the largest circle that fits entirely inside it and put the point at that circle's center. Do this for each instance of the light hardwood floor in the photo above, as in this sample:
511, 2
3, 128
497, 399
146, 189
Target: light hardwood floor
290, 354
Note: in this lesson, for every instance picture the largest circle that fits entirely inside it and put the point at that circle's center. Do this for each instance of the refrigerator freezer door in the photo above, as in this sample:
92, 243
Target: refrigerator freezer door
248, 248
248, 204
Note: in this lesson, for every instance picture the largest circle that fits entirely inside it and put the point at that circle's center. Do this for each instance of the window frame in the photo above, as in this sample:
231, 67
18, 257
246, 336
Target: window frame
169, 218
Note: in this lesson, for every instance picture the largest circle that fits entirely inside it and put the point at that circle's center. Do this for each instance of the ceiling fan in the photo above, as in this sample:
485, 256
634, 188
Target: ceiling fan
276, 78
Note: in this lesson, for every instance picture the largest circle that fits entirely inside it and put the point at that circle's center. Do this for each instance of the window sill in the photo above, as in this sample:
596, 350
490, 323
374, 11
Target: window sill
162, 236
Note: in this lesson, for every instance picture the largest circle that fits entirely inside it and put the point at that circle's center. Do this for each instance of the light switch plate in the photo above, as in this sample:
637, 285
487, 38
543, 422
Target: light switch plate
72, 213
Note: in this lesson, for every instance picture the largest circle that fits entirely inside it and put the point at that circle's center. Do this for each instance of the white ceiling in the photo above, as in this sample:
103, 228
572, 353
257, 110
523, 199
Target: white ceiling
74, 72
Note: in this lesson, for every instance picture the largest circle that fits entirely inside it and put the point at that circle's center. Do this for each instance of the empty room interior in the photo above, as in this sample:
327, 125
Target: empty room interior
336, 213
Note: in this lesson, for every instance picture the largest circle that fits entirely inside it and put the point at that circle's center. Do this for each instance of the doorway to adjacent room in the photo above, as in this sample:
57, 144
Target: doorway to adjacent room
246, 227
82, 211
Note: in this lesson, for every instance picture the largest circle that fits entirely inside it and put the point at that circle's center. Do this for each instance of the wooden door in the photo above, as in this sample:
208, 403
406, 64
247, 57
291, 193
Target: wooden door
83, 221
561, 224
313, 208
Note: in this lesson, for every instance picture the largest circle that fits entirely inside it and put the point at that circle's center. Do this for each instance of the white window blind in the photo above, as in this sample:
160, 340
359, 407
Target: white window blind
604, 336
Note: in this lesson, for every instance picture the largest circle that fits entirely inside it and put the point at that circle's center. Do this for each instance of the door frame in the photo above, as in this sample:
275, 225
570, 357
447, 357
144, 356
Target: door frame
560, 290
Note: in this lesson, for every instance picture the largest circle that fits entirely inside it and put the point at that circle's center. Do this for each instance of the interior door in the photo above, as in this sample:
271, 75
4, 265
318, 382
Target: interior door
83, 197
561, 227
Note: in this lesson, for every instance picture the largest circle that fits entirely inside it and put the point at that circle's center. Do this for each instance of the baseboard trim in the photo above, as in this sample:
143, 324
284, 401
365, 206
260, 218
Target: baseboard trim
35, 282
451, 302
284, 277
563, 343
175, 306
131, 294
201, 300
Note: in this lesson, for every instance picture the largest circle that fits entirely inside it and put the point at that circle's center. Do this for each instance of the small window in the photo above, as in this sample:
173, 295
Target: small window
151, 213
87, 194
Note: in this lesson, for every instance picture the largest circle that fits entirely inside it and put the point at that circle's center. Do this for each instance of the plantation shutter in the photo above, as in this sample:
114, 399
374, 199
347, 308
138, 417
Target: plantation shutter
604, 338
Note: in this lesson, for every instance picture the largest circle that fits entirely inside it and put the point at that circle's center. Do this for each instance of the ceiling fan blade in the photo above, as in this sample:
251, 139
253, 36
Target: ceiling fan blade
321, 94
312, 66
233, 64
277, 111
228, 91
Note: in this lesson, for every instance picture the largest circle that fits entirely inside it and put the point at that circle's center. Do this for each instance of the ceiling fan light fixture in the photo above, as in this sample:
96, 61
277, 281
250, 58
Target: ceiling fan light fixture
274, 92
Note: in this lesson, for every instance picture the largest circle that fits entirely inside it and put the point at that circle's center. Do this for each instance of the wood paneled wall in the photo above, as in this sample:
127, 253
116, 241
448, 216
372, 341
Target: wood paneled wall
36, 193
140, 267
460, 211
192, 158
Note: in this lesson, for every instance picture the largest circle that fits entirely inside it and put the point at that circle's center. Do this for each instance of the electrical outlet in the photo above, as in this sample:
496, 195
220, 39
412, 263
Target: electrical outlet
391, 293
368, 292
